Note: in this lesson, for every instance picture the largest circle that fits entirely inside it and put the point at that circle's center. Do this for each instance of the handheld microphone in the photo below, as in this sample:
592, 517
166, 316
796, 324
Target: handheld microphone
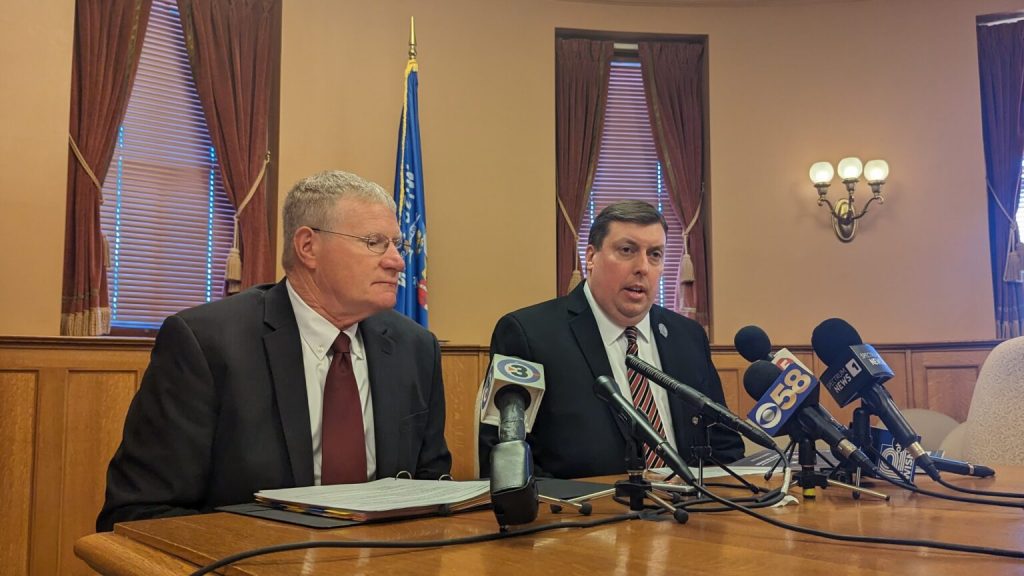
762, 378
962, 468
607, 390
701, 403
857, 371
512, 392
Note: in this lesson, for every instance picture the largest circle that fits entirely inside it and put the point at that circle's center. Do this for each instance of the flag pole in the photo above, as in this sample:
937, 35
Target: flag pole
412, 37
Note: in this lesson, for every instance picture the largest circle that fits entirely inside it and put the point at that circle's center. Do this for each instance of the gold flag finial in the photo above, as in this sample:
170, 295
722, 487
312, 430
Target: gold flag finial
412, 37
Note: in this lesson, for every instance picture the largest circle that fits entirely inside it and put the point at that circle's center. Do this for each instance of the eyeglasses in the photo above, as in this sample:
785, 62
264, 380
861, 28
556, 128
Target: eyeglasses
376, 243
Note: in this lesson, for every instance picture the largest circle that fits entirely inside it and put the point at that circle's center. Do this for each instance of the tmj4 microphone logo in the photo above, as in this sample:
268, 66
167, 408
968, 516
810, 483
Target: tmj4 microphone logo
898, 459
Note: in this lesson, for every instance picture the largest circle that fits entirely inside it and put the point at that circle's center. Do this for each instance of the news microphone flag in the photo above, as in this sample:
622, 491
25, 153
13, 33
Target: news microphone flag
787, 393
411, 212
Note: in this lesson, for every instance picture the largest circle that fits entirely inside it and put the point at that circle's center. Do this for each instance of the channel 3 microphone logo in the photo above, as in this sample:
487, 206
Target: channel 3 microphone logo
779, 403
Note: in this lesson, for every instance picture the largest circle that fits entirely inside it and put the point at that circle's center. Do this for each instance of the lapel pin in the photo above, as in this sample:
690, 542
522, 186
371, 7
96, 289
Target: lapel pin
663, 330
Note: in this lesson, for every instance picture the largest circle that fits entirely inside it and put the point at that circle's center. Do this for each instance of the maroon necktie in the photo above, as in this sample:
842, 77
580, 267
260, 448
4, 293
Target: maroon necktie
342, 442
643, 399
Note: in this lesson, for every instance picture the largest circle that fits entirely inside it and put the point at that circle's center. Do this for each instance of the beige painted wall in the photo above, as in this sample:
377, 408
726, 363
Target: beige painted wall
789, 85
35, 97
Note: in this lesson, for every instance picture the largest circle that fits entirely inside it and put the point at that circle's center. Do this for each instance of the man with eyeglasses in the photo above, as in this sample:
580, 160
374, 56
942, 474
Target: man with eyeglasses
313, 380
588, 333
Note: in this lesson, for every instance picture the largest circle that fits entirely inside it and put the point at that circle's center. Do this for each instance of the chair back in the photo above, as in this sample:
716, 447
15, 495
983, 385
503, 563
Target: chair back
995, 422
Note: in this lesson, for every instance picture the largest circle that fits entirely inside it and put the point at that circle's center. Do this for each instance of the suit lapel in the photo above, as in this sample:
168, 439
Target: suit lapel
383, 371
588, 336
283, 346
671, 362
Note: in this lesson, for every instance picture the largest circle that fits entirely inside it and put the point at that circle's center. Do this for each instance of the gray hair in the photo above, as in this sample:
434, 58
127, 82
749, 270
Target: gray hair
631, 211
311, 202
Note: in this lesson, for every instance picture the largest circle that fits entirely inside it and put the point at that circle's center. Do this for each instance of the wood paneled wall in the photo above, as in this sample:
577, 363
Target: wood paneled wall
63, 402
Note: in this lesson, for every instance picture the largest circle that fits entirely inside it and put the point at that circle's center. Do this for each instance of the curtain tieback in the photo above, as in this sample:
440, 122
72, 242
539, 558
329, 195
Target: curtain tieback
686, 271
576, 277
233, 269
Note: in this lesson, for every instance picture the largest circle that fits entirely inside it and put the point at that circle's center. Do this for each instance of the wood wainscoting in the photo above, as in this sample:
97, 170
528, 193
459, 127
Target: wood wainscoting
63, 402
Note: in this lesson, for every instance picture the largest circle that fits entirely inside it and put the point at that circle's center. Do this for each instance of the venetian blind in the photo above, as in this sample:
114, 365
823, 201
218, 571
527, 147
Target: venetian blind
628, 168
165, 213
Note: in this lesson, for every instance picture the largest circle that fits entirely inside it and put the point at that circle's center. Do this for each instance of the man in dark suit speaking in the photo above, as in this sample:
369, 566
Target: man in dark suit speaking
588, 334
314, 380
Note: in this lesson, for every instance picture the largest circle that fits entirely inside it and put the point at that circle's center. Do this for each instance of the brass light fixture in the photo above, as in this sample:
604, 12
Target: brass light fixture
844, 213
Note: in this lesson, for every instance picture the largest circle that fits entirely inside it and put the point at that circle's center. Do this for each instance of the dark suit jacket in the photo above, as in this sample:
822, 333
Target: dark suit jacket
222, 410
575, 433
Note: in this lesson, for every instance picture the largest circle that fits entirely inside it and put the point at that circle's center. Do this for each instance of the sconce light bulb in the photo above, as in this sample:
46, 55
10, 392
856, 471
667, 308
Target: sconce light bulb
850, 168
821, 173
876, 171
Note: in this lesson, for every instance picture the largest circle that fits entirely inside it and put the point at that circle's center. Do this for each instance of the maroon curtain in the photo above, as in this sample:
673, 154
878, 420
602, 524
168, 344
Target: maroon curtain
674, 85
1001, 69
582, 68
230, 45
108, 40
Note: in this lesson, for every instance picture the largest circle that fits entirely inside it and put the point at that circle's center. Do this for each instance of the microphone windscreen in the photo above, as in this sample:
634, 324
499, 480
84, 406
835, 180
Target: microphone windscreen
758, 377
832, 339
752, 343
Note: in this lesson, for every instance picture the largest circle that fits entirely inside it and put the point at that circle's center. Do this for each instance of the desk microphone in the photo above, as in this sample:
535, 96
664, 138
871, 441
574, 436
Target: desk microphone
640, 427
702, 404
512, 392
856, 370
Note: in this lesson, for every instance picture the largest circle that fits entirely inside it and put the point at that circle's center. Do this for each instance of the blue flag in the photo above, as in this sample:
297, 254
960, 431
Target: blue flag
412, 215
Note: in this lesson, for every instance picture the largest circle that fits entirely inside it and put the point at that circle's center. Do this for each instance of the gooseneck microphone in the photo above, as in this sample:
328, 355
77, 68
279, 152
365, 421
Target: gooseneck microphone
702, 404
607, 390
810, 418
857, 371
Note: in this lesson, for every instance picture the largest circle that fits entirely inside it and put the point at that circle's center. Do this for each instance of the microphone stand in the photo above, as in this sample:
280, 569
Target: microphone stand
635, 489
809, 477
705, 453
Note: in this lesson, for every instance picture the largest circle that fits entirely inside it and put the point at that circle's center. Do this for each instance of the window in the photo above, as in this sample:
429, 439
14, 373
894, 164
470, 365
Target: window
165, 214
628, 168
1020, 205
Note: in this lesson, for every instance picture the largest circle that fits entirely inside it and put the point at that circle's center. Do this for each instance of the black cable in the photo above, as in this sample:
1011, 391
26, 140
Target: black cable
906, 484
864, 539
227, 560
967, 490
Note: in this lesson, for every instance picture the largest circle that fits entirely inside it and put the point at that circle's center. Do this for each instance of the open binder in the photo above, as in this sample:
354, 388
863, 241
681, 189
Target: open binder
381, 499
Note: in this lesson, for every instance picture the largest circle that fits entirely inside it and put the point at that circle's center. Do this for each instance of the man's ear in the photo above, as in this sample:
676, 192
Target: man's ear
588, 259
306, 243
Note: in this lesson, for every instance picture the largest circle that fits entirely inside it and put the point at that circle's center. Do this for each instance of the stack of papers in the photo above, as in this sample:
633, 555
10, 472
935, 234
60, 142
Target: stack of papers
384, 498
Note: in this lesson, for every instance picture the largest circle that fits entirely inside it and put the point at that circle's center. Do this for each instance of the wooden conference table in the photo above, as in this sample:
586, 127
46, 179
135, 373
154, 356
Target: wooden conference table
721, 543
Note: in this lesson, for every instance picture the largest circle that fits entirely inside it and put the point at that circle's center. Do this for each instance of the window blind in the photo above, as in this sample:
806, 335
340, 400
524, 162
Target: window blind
165, 214
628, 168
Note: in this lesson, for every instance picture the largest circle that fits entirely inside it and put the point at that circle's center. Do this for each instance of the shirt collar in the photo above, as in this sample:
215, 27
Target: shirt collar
610, 331
316, 331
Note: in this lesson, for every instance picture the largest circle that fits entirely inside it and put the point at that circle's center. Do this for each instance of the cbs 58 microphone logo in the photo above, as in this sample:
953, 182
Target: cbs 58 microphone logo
785, 394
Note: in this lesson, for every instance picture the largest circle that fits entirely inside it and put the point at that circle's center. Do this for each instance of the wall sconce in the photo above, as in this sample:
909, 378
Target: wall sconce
844, 214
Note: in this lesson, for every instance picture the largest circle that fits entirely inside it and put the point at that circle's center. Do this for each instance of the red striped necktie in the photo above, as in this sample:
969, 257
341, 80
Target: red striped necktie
643, 399
342, 441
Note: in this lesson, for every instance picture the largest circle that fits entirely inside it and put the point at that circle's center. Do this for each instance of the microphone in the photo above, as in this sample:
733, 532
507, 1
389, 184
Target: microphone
512, 392
765, 381
962, 468
607, 390
701, 403
857, 371
753, 343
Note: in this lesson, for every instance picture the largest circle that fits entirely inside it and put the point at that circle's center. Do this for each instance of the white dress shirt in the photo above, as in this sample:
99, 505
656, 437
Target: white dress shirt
614, 339
318, 334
